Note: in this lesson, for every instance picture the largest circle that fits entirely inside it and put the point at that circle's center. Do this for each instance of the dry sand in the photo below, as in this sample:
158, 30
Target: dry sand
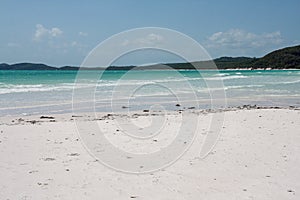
257, 156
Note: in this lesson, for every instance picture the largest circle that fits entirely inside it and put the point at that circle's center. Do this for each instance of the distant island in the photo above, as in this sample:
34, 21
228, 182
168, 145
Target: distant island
286, 58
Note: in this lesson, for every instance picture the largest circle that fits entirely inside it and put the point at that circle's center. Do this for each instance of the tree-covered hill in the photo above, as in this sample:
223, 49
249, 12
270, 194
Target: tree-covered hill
284, 58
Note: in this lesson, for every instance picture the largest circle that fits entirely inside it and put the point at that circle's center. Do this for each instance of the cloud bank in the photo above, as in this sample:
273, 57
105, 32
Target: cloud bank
238, 41
241, 38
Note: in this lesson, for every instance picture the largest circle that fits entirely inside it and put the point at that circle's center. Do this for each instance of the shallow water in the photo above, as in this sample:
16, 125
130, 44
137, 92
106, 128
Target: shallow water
36, 92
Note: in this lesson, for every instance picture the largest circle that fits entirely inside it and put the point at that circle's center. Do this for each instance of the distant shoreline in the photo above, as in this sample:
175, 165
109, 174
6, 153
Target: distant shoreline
286, 58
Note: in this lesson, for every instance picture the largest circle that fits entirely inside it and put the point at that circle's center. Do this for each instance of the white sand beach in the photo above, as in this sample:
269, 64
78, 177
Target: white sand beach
256, 157
150, 100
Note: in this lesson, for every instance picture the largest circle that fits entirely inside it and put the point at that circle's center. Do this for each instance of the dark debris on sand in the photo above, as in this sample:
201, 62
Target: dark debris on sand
46, 117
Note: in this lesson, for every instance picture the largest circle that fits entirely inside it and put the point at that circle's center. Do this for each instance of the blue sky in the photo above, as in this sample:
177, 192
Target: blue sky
63, 32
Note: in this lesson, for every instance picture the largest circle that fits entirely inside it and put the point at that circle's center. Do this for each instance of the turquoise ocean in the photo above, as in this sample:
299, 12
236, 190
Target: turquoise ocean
49, 92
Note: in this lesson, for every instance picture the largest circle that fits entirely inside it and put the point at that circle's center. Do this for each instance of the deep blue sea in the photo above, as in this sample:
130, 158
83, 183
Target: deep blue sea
47, 92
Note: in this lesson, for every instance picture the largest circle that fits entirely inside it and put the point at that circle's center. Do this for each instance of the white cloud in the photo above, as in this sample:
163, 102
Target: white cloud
42, 32
54, 32
84, 34
237, 38
150, 39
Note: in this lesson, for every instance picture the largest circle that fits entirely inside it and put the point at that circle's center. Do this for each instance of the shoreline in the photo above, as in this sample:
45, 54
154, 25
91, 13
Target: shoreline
149, 112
